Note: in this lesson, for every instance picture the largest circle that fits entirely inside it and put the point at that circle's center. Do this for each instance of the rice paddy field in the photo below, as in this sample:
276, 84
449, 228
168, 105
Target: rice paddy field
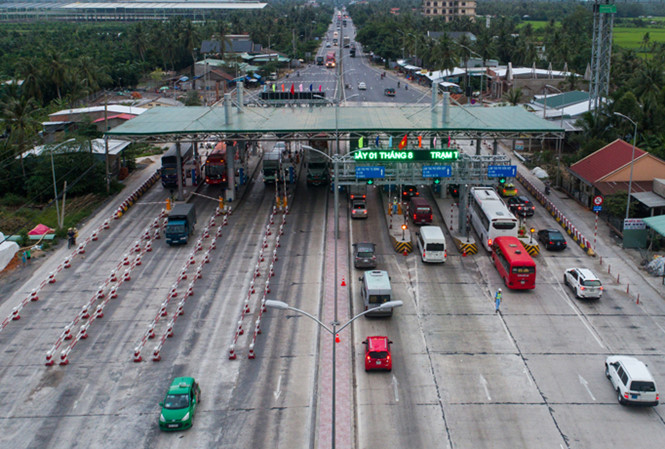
627, 36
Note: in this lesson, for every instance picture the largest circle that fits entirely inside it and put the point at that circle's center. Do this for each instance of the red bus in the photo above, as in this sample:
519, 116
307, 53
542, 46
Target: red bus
215, 166
330, 60
513, 262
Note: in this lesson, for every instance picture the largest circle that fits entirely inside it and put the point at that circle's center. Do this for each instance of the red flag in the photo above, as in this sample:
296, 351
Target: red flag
420, 141
293, 89
402, 144
449, 141
282, 87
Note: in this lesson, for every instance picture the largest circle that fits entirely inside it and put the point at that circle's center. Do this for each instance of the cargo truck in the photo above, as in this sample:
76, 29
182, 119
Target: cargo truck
318, 167
347, 41
271, 162
180, 224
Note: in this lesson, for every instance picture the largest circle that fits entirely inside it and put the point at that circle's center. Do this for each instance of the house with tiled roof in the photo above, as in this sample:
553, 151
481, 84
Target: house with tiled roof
607, 171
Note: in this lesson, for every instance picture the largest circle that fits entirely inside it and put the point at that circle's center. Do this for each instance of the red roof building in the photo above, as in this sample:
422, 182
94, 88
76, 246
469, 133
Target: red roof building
607, 171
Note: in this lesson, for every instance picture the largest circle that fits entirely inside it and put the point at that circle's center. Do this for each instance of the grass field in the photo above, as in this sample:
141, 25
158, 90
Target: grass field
625, 37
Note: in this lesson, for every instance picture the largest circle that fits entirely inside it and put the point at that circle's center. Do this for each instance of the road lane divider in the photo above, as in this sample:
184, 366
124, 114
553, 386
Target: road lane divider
560, 218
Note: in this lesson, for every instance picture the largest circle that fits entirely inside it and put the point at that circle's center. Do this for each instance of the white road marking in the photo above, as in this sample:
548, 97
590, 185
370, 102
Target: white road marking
395, 388
564, 293
526, 373
278, 391
586, 385
483, 381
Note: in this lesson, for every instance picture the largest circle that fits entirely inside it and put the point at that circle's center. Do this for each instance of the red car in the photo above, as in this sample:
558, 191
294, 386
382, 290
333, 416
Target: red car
377, 353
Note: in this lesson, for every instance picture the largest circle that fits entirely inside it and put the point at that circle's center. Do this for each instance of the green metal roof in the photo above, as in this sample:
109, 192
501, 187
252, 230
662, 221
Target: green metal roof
475, 121
564, 99
656, 223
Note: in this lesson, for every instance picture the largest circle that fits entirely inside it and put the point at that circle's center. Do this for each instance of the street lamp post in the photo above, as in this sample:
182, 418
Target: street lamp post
560, 141
632, 160
280, 305
403, 41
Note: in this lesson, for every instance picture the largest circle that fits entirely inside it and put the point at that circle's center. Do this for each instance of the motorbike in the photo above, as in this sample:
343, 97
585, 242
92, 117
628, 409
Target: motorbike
547, 189
406, 87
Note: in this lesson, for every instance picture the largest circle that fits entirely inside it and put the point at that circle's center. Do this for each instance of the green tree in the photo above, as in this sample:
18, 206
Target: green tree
513, 96
19, 112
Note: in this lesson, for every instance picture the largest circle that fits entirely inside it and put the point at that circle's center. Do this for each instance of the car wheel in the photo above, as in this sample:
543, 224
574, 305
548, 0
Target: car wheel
622, 401
565, 280
607, 371
577, 294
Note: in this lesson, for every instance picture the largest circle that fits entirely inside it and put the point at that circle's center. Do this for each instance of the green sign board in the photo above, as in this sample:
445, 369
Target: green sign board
607, 9
442, 155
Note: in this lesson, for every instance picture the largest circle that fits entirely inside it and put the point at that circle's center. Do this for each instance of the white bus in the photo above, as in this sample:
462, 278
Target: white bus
490, 216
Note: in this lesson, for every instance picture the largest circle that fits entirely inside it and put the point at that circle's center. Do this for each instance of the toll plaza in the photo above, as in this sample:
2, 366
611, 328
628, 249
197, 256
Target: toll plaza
386, 145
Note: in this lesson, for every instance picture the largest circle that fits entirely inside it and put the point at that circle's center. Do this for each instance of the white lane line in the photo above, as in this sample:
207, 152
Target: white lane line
395, 388
563, 291
483, 381
585, 384
583, 320
526, 373
278, 391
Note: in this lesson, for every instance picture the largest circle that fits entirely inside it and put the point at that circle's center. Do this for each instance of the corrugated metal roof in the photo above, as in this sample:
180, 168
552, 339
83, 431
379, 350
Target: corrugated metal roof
656, 223
649, 199
200, 119
606, 160
111, 109
560, 100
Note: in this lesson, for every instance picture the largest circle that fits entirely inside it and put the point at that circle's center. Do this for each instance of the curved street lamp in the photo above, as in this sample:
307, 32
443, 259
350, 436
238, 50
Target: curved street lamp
632, 160
334, 331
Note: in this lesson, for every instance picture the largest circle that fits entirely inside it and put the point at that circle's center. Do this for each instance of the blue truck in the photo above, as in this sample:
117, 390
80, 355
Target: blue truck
180, 224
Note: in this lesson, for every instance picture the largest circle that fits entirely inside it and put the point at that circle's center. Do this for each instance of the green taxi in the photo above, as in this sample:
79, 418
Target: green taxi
180, 403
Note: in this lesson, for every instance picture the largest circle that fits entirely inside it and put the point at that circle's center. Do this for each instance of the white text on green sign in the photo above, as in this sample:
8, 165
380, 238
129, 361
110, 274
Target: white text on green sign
406, 155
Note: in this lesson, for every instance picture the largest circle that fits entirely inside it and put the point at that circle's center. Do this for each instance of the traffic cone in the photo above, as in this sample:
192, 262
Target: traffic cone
343, 282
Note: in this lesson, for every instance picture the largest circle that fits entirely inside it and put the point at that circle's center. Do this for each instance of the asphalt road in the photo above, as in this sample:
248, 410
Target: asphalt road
463, 376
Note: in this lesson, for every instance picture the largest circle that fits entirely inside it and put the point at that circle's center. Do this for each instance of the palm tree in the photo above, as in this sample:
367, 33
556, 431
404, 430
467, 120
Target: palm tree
30, 70
188, 41
57, 69
18, 111
139, 39
645, 43
445, 54
513, 96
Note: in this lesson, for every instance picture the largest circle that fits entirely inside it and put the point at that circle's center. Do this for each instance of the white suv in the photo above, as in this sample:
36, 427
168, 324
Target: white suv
632, 380
362, 86
583, 282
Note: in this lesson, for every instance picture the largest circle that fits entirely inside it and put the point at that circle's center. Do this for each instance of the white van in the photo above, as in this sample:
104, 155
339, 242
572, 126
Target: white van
375, 289
432, 244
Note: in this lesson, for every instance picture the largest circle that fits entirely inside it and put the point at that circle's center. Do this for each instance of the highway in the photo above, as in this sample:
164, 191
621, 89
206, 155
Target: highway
463, 376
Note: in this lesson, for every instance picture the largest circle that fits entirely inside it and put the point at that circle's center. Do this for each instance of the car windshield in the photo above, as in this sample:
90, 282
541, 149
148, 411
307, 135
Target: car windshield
365, 253
382, 355
591, 283
176, 401
378, 299
504, 224
434, 247
556, 236
640, 385
175, 228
